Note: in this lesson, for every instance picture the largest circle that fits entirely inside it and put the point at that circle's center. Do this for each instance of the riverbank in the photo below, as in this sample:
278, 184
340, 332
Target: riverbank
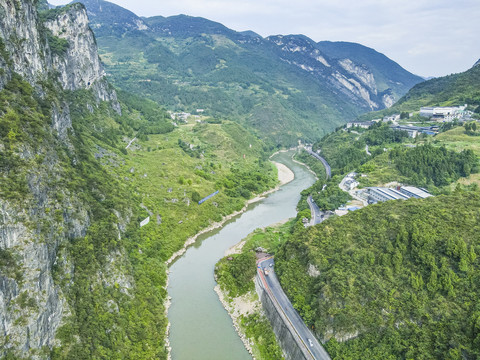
246, 310
308, 167
285, 175
247, 304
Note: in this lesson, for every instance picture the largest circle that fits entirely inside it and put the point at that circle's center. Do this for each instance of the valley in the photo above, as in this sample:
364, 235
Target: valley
144, 170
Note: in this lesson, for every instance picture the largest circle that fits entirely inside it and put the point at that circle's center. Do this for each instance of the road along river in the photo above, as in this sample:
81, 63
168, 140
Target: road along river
200, 328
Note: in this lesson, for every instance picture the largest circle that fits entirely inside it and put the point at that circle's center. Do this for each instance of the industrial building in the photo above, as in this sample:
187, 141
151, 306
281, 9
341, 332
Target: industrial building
377, 194
412, 191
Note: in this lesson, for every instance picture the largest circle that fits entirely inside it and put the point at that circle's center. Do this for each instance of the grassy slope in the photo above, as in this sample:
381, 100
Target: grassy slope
245, 85
172, 176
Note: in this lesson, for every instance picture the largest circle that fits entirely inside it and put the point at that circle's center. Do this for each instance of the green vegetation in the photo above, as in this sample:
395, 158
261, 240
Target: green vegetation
315, 165
23, 121
214, 73
151, 118
456, 89
344, 149
249, 80
58, 45
258, 329
331, 197
235, 275
457, 139
167, 179
426, 164
433, 162
403, 287
115, 285
451, 90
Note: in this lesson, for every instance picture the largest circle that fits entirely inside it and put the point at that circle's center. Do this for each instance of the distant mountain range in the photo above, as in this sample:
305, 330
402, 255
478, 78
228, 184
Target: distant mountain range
285, 87
456, 89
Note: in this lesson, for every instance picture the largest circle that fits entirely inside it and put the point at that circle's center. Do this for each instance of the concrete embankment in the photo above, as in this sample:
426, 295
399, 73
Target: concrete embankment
283, 330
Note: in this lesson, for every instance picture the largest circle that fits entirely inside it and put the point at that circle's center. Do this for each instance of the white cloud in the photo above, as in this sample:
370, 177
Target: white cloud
427, 37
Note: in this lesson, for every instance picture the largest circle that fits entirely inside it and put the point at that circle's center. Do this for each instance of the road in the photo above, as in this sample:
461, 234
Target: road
324, 162
352, 192
315, 211
130, 143
273, 287
366, 150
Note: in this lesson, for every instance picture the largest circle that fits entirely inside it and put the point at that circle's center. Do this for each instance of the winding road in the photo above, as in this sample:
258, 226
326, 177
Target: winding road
317, 214
324, 162
303, 335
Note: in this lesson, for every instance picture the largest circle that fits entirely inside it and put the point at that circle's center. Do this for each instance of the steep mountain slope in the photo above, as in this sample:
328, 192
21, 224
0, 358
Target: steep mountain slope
48, 179
403, 287
78, 277
285, 87
452, 90
387, 75
456, 89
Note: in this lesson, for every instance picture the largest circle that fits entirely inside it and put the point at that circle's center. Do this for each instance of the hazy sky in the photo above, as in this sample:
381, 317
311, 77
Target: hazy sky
427, 37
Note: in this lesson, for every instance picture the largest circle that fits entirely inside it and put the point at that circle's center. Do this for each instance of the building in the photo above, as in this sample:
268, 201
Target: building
414, 192
443, 114
360, 124
377, 194
413, 131
393, 118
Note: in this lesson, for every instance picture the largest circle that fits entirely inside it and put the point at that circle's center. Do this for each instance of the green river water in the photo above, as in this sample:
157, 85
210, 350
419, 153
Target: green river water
201, 329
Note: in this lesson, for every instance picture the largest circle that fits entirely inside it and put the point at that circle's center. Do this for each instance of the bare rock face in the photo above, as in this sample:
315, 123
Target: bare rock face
32, 232
22, 40
29, 52
32, 305
356, 81
79, 67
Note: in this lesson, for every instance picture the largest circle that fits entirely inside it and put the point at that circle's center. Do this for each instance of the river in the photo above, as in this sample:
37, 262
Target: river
201, 329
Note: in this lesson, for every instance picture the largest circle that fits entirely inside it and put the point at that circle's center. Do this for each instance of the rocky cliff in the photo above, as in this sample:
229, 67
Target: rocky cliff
346, 73
41, 210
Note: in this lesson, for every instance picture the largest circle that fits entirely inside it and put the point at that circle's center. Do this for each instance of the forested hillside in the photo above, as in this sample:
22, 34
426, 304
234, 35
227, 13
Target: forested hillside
451, 90
80, 279
433, 162
396, 280
284, 87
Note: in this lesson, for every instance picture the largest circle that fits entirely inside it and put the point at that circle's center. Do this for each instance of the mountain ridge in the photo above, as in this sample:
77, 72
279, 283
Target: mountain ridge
296, 87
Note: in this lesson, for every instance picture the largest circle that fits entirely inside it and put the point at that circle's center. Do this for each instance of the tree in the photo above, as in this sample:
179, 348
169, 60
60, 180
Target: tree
196, 196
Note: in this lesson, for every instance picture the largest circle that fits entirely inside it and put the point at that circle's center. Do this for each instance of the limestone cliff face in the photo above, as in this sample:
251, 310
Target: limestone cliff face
34, 230
79, 67
356, 81
31, 54
22, 41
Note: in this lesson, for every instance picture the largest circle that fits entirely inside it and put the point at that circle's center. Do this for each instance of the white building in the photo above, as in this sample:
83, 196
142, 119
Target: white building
414, 192
393, 118
360, 124
443, 113
376, 194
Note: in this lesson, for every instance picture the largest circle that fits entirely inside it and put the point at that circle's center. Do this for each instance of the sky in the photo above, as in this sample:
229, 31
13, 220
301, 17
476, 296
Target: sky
426, 37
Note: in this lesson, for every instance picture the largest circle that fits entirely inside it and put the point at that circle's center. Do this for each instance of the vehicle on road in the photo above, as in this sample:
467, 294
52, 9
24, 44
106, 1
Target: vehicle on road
310, 342
265, 271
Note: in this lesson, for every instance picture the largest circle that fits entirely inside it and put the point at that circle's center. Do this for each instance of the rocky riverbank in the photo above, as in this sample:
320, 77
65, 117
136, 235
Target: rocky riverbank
242, 305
